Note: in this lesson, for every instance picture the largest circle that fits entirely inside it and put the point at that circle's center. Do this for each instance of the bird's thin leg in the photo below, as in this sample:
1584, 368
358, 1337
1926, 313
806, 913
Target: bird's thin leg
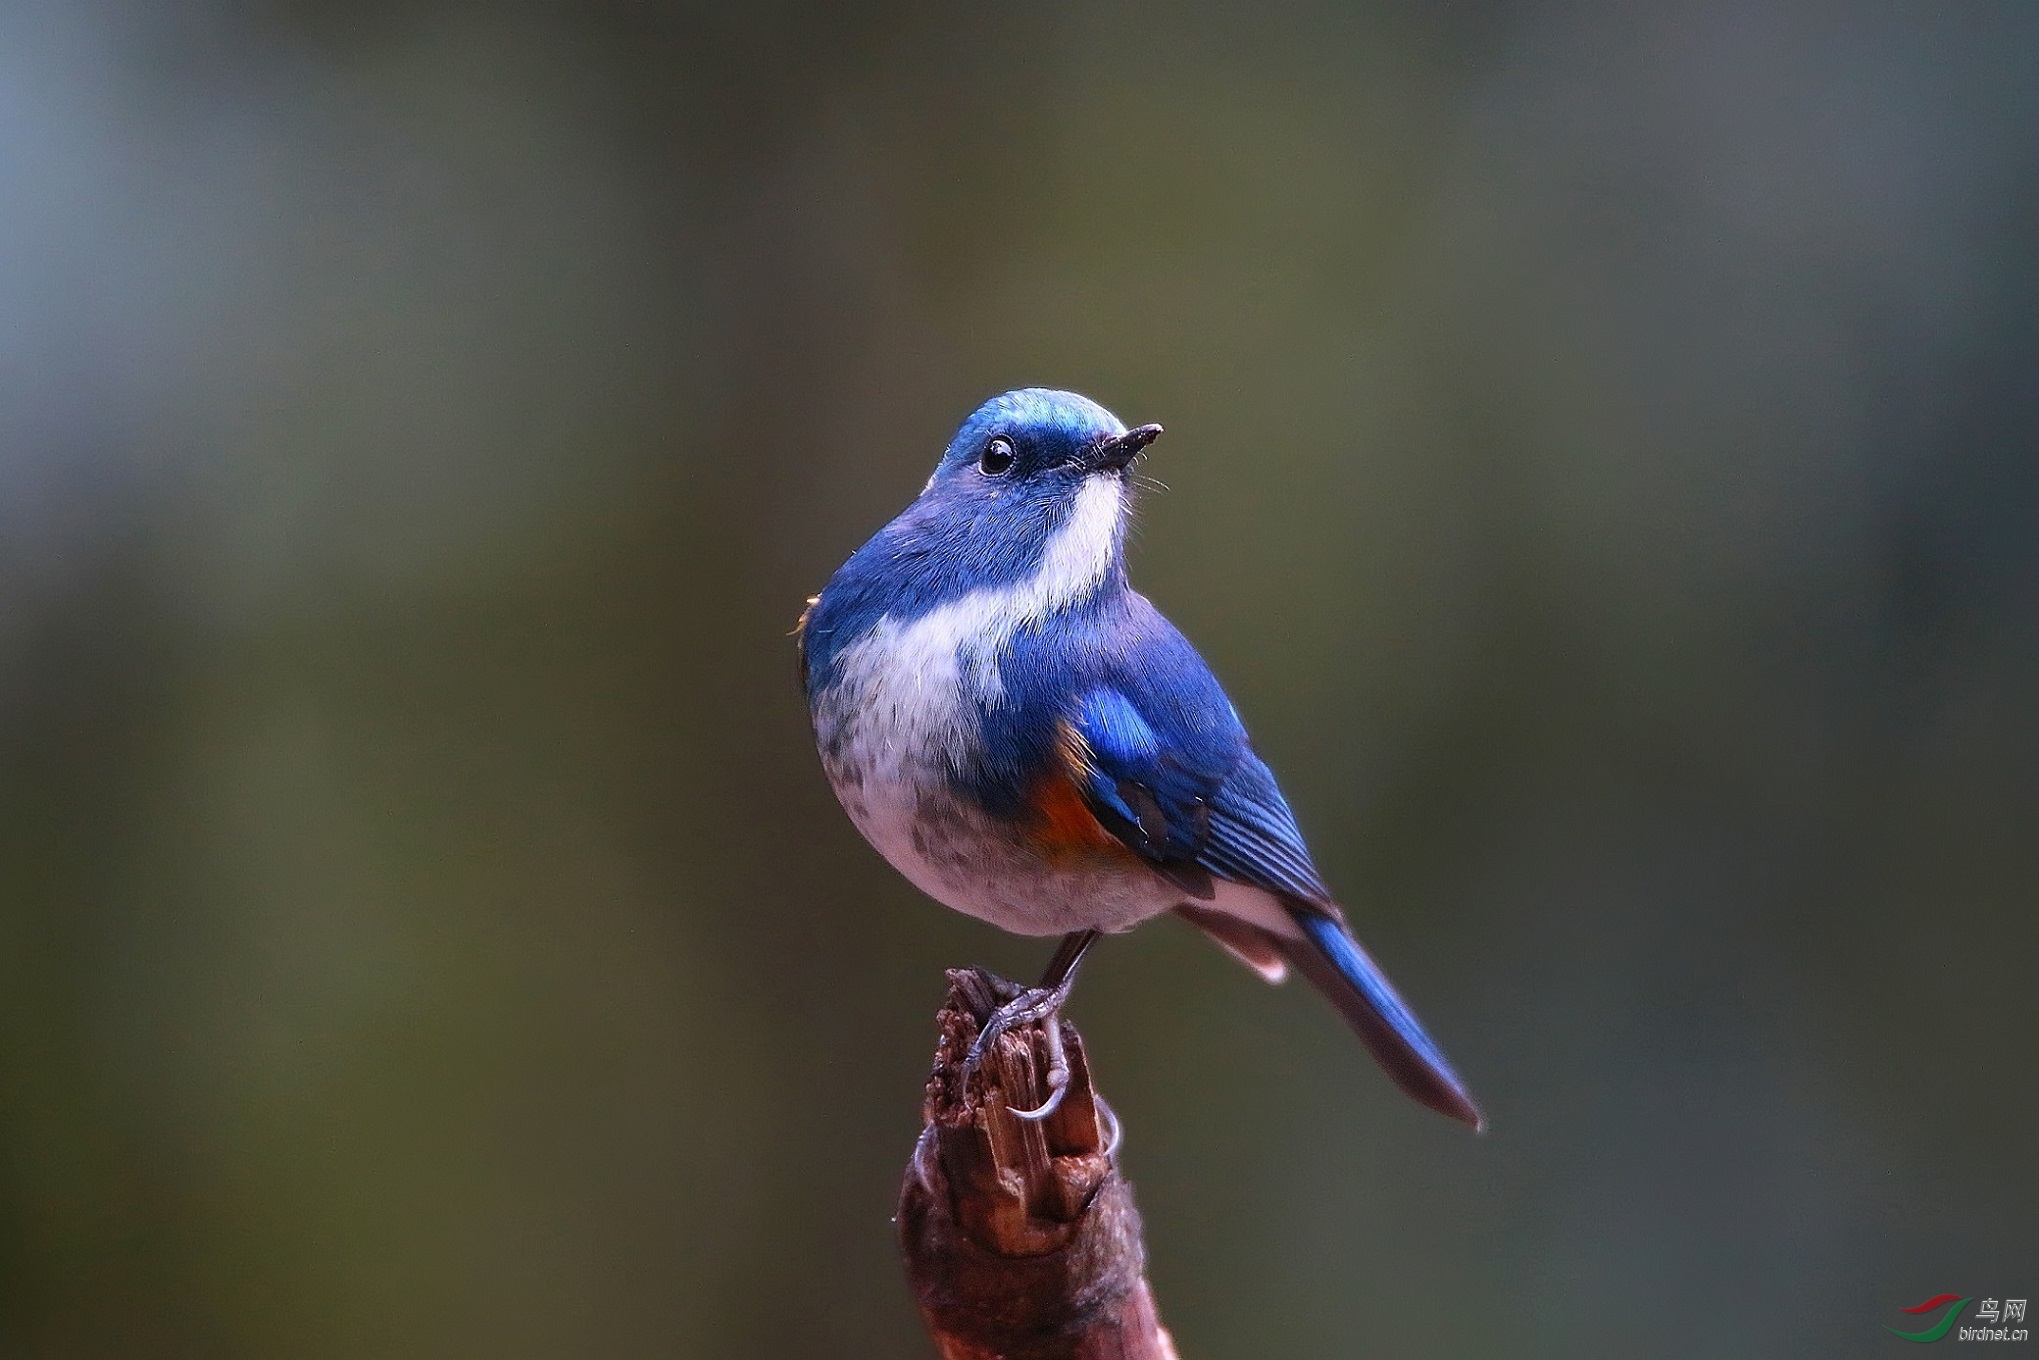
1061, 969
1038, 1003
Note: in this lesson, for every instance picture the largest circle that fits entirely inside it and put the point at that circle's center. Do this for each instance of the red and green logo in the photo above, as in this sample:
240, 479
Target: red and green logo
1940, 1328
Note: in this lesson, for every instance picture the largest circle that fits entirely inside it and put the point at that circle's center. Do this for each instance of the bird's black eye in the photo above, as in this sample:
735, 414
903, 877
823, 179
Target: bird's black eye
997, 458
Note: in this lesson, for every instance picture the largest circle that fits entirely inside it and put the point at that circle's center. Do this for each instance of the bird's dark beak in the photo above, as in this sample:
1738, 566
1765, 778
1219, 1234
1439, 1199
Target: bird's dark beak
1116, 452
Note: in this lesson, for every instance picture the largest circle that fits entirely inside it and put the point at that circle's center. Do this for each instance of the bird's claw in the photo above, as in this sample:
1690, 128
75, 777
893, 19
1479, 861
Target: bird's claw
1030, 1006
1045, 1108
1111, 1117
1057, 1074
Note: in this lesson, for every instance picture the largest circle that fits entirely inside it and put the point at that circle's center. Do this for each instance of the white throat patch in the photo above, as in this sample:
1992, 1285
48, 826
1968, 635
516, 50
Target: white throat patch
900, 691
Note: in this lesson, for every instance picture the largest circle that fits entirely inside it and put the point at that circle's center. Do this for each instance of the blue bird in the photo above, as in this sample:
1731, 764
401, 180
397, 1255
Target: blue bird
1025, 737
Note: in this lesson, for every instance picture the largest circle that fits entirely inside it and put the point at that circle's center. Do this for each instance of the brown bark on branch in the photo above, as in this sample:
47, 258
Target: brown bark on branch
1021, 1239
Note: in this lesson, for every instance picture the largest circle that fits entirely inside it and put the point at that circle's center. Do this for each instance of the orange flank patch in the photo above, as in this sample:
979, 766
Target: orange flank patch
1063, 826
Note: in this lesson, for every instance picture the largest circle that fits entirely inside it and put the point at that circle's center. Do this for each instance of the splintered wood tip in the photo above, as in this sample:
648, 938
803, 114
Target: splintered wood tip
1020, 1237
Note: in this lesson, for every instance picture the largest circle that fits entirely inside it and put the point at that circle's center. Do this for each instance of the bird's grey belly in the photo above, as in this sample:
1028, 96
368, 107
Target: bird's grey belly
965, 859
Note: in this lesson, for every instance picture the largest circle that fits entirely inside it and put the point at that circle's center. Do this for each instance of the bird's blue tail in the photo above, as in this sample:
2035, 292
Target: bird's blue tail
1336, 965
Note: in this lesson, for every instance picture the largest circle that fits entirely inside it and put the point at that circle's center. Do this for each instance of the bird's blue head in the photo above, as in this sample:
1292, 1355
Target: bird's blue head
1033, 451
1030, 495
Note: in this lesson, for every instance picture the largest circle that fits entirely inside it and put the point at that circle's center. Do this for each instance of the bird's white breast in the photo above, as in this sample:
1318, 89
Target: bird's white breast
901, 717
906, 695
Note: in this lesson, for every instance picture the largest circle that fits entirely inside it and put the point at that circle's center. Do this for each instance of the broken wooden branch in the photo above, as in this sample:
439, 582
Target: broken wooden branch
1020, 1237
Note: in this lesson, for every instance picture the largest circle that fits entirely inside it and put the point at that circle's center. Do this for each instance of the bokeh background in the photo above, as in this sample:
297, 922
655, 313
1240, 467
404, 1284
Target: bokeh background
1604, 450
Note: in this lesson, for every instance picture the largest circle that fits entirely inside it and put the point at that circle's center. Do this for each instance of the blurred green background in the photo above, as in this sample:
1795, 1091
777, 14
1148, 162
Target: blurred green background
1604, 444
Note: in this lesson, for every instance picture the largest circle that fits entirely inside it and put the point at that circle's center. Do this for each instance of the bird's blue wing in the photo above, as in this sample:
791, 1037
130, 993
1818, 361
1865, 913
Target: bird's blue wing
1154, 798
1254, 837
1162, 761
1179, 811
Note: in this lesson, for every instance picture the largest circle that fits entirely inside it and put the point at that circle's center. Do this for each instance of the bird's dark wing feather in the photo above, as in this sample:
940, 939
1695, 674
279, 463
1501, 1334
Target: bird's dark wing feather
1254, 838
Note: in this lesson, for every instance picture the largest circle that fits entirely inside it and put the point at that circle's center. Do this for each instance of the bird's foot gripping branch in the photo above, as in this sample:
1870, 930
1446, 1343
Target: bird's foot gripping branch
1020, 1237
